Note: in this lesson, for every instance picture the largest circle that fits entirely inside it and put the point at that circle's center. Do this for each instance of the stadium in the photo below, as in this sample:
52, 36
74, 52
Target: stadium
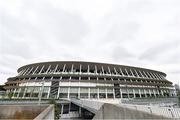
87, 80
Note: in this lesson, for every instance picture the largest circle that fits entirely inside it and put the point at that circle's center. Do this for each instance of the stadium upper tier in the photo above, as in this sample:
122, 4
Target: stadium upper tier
76, 79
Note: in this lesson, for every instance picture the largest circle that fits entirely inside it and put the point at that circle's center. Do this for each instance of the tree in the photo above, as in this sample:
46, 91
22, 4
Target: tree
56, 108
10, 94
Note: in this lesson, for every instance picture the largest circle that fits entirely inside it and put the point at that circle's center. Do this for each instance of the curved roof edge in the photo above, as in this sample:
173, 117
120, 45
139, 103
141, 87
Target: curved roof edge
49, 62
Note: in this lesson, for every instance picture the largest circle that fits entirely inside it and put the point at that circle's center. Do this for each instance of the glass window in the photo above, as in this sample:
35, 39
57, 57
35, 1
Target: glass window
74, 90
83, 90
102, 90
63, 90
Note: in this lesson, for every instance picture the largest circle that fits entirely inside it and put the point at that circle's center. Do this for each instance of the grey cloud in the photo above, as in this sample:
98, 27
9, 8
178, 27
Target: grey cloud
155, 52
122, 31
35, 31
24, 37
120, 53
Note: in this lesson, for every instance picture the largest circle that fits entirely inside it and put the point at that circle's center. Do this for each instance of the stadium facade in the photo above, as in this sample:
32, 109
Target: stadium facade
87, 80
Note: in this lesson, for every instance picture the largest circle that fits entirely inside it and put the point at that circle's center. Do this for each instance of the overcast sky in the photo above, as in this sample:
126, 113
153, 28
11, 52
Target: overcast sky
142, 33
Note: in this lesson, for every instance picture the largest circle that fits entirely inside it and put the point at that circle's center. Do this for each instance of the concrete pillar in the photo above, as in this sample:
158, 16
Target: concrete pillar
62, 108
58, 92
121, 93
113, 93
48, 92
72, 67
127, 92
140, 93
69, 107
18, 92
88, 69
145, 93
106, 93
68, 92
154, 93
134, 93
14, 92
162, 93
97, 93
79, 92
24, 92
80, 112
89, 93
150, 93
80, 66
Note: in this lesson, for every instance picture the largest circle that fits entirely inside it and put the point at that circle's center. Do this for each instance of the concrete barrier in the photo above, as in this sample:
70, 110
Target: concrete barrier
110, 111
26, 111
48, 113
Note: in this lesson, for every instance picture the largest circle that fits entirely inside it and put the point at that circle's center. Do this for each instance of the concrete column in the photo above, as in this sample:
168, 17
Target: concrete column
80, 112
145, 93
127, 92
134, 93
58, 92
150, 92
140, 93
80, 68
68, 92
162, 93
89, 93
64, 67
14, 92
154, 92
69, 107
24, 92
88, 69
109, 70
121, 93
62, 109
115, 71
113, 93
79, 92
98, 93
48, 92
72, 67
158, 92
102, 70
106, 92
19, 92
95, 69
